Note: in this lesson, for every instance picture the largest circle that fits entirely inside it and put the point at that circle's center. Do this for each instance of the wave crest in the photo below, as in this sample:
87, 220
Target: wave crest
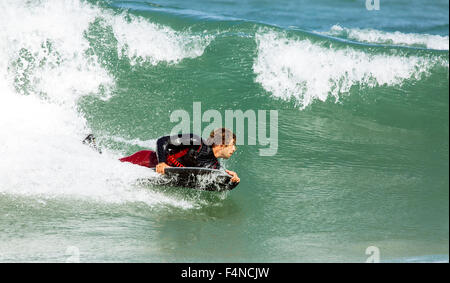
390, 38
307, 71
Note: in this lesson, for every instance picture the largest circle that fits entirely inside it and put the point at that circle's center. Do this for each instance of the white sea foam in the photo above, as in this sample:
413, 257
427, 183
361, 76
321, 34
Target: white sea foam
306, 71
150, 144
141, 40
391, 38
43, 156
44, 70
43, 49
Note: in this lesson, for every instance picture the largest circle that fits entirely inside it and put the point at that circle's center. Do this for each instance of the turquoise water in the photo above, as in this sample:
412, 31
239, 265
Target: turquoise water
363, 130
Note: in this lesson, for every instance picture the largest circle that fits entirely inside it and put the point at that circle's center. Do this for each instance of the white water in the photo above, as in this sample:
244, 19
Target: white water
306, 71
391, 38
44, 70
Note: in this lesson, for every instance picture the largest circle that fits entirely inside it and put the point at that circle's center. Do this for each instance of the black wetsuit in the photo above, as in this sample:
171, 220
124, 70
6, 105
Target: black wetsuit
187, 150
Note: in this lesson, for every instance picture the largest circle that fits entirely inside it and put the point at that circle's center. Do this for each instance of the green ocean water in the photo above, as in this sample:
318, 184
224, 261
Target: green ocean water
363, 130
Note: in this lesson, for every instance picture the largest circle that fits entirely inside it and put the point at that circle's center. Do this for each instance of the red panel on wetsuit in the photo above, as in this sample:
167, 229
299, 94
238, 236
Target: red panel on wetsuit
145, 158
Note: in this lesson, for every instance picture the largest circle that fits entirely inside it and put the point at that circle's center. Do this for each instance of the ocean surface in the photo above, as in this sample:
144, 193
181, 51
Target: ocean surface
363, 129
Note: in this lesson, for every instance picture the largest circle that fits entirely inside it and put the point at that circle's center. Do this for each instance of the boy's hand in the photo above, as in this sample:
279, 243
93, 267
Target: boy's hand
234, 176
160, 167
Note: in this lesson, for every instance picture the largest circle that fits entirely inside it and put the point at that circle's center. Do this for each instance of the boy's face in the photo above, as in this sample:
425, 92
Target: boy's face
227, 150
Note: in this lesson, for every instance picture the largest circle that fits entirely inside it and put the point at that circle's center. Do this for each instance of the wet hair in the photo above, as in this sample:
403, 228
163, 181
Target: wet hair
221, 136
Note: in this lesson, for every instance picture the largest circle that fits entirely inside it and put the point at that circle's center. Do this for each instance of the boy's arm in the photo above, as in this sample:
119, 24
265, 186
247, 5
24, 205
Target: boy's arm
165, 143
